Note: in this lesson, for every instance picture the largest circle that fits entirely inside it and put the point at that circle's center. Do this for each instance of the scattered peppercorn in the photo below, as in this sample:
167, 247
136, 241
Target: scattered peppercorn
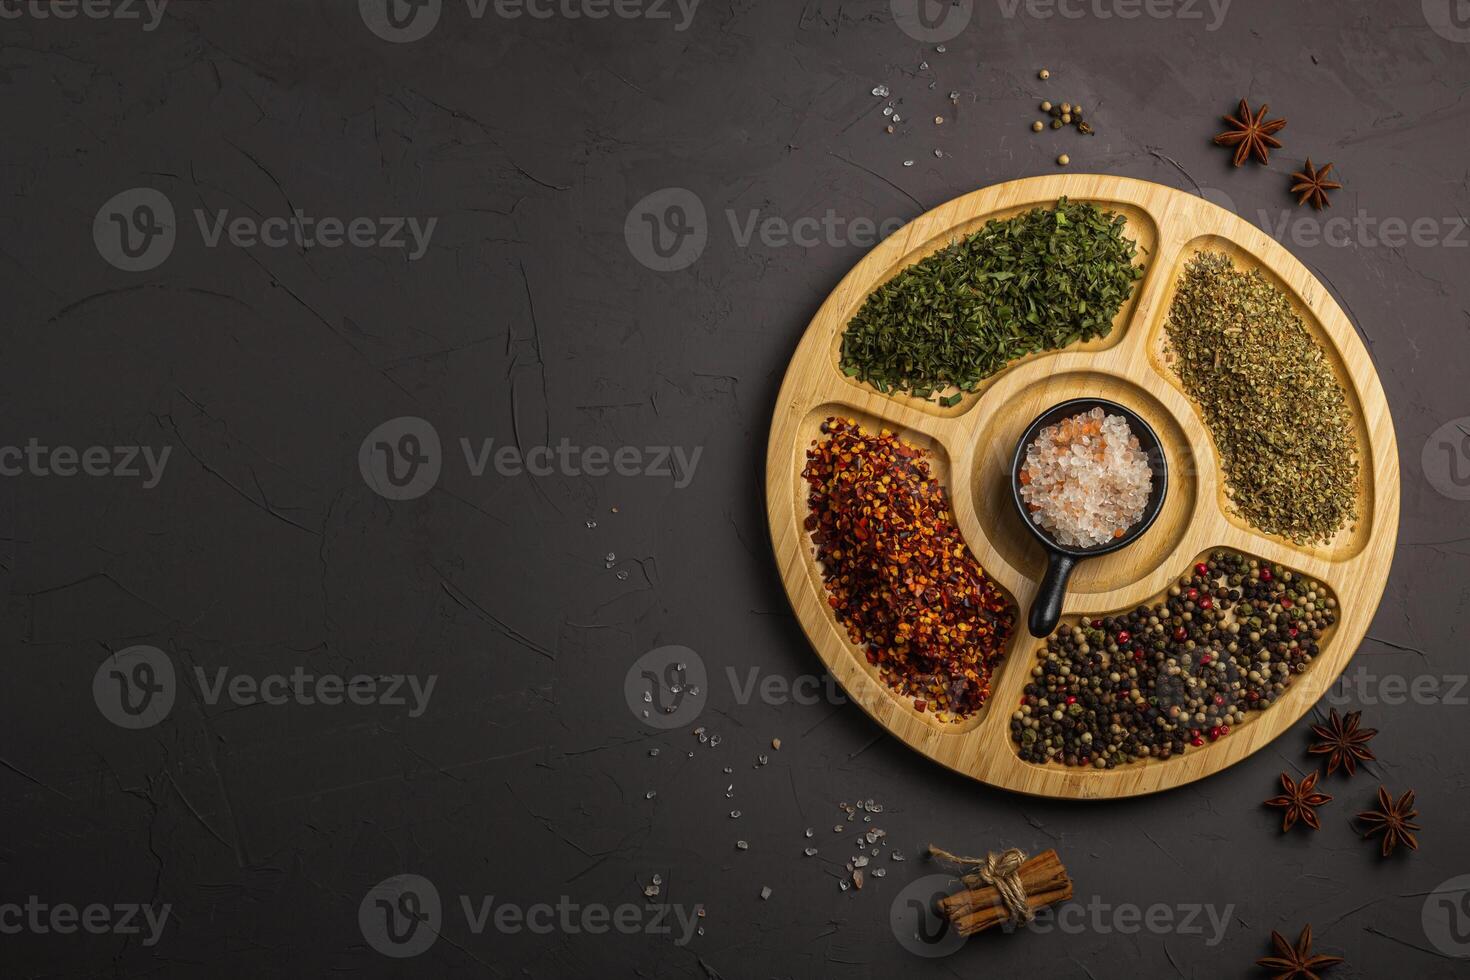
1043, 74
897, 572
1154, 681
1063, 160
1037, 126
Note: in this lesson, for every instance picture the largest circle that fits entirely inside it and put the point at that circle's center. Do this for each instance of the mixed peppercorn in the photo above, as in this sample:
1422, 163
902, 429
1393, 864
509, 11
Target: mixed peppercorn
1226, 639
898, 574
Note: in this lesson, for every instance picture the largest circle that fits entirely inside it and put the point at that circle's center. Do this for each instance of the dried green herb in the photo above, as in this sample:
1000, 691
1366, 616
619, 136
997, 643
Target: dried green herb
1278, 414
1038, 281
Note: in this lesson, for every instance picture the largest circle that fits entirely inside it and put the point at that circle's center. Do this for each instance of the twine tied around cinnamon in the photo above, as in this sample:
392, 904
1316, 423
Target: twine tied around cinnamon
1001, 871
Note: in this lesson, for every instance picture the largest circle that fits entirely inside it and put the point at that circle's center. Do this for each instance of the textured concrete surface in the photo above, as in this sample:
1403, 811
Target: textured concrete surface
264, 827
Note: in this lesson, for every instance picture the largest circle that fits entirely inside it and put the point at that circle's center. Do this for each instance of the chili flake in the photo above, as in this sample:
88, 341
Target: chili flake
898, 574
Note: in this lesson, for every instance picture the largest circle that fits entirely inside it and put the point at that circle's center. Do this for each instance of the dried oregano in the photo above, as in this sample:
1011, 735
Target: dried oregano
1279, 417
1038, 281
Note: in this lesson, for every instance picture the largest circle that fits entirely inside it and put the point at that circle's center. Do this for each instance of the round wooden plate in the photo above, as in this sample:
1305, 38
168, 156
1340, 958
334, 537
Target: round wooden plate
972, 444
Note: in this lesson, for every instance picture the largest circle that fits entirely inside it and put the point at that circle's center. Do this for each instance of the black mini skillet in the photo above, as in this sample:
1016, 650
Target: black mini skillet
1046, 608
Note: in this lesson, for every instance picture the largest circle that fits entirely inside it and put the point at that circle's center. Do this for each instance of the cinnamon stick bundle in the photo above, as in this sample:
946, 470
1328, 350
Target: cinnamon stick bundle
976, 909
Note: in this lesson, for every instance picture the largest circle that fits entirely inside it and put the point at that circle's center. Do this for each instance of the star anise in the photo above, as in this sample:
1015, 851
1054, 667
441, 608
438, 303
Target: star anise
1343, 742
1395, 821
1313, 186
1297, 962
1251, 134
1299, 801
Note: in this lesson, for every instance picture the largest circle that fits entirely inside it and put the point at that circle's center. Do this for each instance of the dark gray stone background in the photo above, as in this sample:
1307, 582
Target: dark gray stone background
263, 549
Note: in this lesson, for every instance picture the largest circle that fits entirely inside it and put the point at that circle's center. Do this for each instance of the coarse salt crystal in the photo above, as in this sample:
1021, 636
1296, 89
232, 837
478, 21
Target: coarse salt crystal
1086, 480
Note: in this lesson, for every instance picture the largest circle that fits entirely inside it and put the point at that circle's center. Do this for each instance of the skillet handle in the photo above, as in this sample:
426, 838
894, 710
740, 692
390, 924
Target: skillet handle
1046, 608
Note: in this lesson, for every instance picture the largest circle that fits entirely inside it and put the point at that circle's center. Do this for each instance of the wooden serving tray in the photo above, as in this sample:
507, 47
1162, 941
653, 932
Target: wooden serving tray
972, 444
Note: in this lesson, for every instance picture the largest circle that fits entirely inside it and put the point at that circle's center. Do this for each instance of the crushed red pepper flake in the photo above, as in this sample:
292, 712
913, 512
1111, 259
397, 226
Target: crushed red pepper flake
898, 574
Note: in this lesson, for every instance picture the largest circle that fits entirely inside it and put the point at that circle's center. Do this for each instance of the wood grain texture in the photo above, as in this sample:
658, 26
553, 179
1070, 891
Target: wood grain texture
973, 442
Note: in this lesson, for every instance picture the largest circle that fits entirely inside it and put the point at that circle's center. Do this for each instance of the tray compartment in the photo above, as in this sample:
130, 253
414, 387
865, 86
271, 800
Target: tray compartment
1351, 539
924, 240
1315, 681
856, 661
990, 481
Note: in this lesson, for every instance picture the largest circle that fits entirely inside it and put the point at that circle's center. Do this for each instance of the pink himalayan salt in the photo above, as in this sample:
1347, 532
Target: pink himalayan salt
1085, 479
